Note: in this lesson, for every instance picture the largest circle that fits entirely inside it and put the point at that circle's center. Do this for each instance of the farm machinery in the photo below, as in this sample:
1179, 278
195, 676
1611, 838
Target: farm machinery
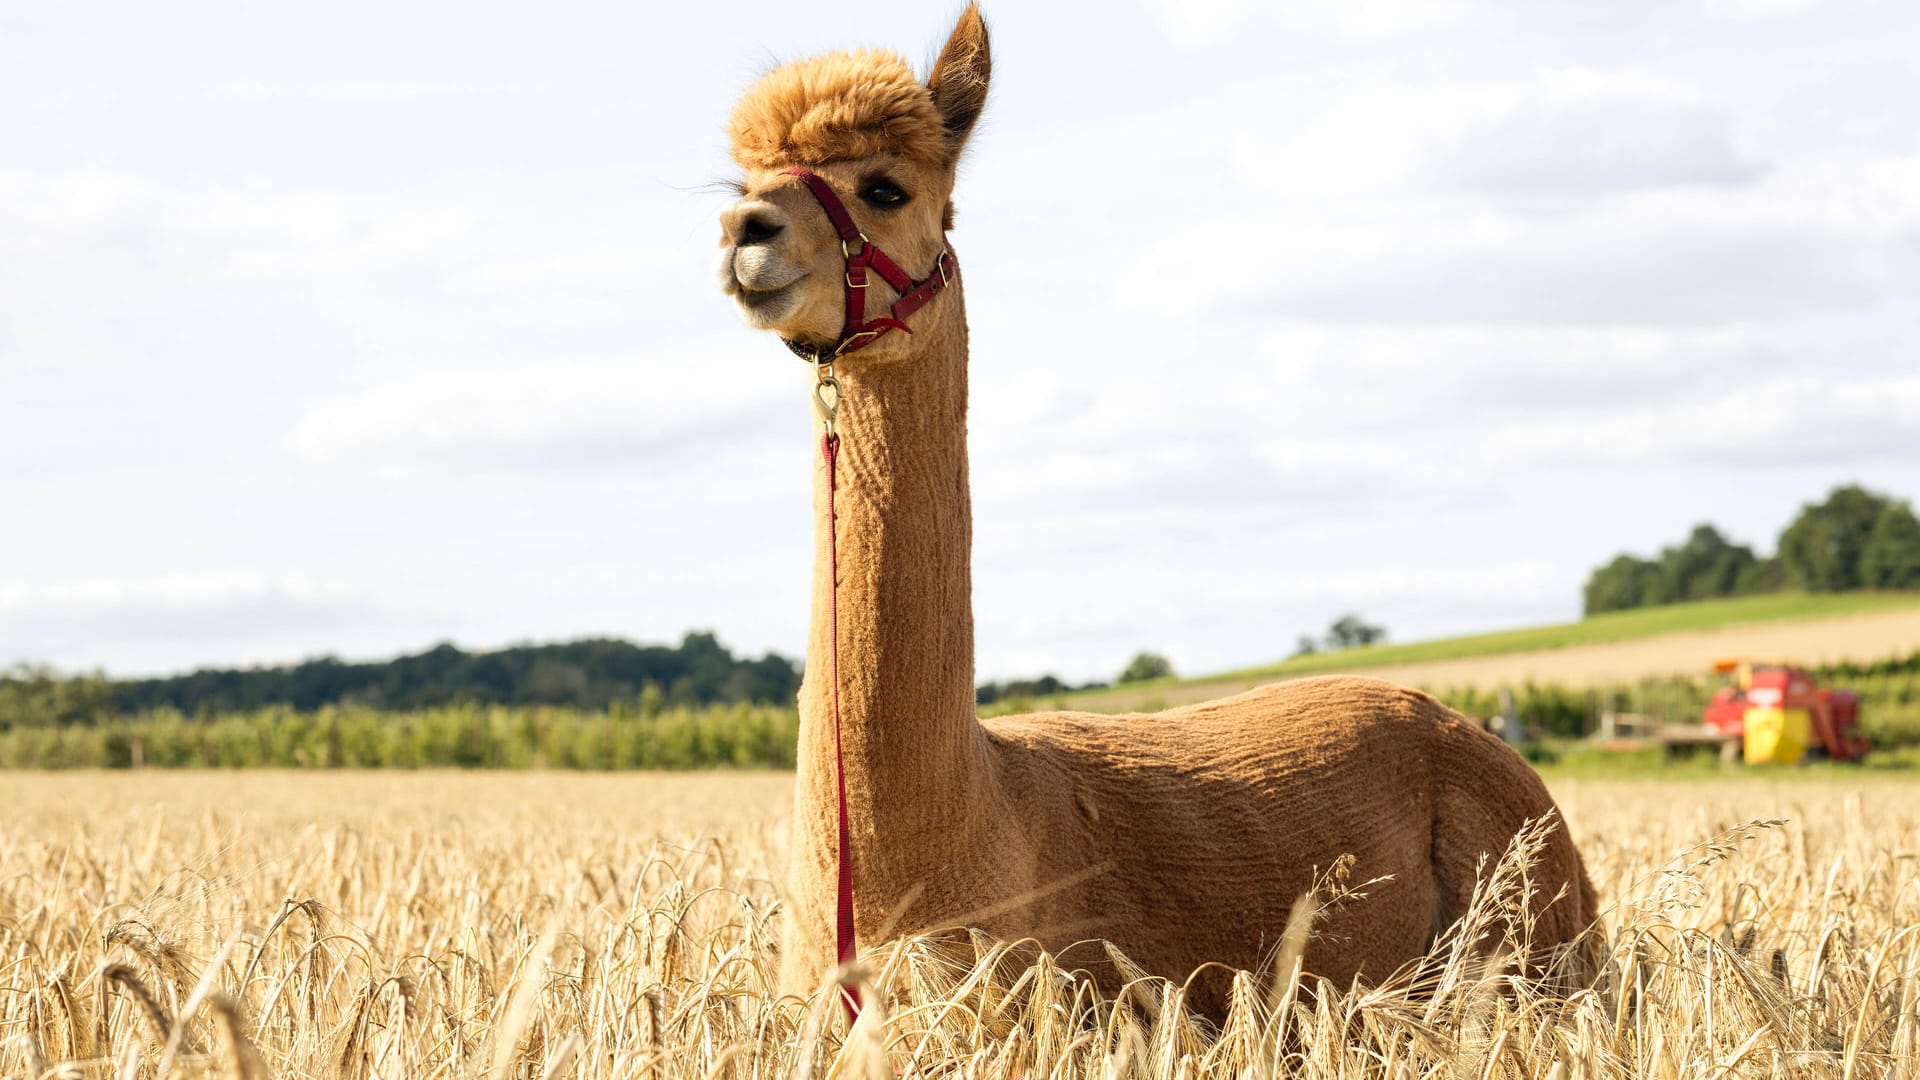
1780, 713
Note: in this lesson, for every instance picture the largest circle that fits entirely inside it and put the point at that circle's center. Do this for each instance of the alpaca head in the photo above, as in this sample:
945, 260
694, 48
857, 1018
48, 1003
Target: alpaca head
887, 144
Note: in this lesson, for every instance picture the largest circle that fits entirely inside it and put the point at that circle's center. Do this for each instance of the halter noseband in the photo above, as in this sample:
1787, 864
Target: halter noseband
861, 254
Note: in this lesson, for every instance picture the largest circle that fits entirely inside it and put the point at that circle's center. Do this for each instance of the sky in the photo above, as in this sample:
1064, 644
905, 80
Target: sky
352, 328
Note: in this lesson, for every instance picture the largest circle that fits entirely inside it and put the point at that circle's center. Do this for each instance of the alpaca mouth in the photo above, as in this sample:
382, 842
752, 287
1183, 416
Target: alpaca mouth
758, 280
755, 299
766, 308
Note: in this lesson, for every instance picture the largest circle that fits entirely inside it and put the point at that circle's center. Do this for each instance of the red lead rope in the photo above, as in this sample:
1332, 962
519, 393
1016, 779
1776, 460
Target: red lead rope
844, 948
856, 332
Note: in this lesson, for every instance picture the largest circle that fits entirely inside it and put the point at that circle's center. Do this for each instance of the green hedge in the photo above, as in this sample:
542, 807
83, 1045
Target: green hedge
477, 737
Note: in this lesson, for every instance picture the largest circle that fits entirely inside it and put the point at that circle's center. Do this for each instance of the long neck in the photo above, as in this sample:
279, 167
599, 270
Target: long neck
905, 595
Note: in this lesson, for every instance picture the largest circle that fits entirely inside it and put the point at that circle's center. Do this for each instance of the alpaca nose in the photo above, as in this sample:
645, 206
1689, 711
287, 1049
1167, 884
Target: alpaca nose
752, 223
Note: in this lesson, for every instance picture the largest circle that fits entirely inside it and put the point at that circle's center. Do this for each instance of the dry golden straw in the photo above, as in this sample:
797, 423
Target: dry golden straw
423, 926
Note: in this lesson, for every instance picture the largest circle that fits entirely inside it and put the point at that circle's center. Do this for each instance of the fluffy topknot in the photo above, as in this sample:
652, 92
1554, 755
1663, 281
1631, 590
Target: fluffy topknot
837, 107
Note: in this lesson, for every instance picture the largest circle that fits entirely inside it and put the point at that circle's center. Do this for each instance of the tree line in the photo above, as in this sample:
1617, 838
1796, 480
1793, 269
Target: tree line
596, 673
1853, 539
592, 674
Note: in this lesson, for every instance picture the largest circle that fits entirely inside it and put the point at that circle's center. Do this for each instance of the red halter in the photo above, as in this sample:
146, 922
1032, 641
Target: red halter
861, 253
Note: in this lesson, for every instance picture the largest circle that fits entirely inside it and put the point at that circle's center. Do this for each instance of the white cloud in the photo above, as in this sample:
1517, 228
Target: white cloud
42, 98
1251, 616
1374, 378
1790, 421
336, 90
1513, 397
175, 618
1208, 22
1233, 472
1057, 451
1562, 132
1810, 236
91, 228
553, 414
74, 223
1328, 424
1422, 591
181, 592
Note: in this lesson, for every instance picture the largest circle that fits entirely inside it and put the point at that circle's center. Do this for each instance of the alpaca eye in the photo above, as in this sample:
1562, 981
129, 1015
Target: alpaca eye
884, 194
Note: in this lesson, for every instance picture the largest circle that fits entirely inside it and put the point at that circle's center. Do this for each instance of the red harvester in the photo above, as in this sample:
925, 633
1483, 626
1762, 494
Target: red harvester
1781, 714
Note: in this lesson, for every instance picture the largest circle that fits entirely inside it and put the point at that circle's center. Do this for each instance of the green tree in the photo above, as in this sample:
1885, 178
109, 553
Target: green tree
1146, 666
1763, 576
1821, 549
1350, 631
1626, 582
1705, 566
1890, 558
38, 696
591, 673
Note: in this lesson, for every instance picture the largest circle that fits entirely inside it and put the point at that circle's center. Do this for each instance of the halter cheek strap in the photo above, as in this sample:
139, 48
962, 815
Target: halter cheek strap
863, 255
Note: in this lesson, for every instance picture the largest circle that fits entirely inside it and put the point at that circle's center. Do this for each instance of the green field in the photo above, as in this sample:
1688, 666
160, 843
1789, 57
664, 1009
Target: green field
1599, 629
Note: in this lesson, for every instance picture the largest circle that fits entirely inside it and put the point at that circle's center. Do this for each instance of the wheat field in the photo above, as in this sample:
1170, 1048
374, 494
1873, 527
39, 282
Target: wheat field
541, 924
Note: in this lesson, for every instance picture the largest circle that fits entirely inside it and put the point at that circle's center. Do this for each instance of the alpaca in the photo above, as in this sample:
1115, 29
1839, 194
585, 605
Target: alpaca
1183, 837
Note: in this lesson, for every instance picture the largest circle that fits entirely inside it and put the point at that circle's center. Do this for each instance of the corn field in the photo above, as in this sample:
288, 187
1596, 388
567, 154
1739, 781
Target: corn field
343, 924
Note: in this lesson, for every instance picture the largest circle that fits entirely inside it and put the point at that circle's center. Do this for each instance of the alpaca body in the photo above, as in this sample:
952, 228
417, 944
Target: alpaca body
1183, 837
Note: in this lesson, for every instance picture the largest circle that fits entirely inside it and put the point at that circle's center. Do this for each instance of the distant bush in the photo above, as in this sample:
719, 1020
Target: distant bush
1350, 631
1145, 666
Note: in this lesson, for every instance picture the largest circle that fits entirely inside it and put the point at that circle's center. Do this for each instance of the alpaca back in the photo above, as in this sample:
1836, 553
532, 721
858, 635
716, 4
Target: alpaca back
1186, 837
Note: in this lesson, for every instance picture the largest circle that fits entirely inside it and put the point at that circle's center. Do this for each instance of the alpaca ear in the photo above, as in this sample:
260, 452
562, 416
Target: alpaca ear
959, 79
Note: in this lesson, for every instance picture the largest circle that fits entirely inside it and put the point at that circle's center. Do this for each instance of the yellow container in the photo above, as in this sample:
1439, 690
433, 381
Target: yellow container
1777, 736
